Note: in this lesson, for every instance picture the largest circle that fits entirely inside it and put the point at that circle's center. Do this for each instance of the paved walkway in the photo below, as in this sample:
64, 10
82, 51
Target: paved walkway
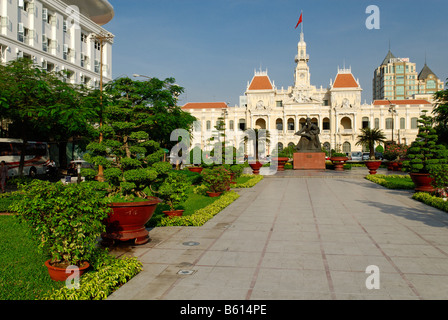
295, 236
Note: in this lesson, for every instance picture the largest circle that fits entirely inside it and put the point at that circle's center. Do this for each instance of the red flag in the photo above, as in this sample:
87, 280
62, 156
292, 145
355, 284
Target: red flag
300, 21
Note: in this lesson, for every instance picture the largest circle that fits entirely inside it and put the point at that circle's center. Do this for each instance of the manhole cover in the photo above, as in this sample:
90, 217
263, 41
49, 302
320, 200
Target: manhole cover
185, 272
191, 243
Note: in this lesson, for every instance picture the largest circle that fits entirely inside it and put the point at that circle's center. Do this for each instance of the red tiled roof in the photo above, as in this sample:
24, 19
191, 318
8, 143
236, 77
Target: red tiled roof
205, 105
345, 80
260, 83
400, 102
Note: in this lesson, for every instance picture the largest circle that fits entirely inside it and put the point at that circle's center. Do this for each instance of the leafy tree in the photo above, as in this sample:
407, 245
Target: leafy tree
160, 97
369, 137
441, 115
40, 105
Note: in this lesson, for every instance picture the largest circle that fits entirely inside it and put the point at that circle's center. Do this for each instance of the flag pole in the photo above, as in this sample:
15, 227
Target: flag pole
301, 14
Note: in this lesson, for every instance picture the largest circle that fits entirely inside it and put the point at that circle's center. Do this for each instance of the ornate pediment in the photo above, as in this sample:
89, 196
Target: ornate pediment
346, 104
261, 107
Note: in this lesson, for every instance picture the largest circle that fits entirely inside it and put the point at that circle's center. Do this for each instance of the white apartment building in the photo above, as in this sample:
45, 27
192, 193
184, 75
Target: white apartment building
337, 109
59, 35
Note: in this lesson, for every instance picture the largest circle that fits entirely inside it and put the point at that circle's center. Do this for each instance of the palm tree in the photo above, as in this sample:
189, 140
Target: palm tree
369, 137
257, 136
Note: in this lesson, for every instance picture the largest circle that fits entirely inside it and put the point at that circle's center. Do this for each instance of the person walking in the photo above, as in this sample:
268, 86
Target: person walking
3, 175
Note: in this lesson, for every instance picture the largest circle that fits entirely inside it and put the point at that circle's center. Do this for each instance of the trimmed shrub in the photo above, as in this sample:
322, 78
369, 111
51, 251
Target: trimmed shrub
431, 200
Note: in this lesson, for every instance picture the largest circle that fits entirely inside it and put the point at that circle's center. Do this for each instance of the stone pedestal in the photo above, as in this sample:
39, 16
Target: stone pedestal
309, 161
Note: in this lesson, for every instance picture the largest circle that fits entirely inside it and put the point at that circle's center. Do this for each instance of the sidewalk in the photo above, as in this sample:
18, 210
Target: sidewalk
300, 235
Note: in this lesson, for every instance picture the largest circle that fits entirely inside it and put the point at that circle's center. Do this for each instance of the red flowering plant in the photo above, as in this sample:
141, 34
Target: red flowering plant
395, 152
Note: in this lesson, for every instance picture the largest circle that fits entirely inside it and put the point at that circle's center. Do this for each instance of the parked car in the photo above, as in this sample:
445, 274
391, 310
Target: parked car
379, 155
365, 156
356, 156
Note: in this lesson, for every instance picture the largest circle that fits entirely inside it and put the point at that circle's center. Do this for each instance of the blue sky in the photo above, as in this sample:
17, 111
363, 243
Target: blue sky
212, 47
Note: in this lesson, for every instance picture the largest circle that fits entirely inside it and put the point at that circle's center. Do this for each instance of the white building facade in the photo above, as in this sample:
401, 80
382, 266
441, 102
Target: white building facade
337, 110
59, 35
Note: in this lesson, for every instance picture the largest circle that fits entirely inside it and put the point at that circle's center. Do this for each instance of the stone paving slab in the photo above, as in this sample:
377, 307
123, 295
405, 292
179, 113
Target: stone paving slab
293, 237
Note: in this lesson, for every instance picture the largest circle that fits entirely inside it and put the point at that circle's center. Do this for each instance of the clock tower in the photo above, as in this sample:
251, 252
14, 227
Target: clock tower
302, 72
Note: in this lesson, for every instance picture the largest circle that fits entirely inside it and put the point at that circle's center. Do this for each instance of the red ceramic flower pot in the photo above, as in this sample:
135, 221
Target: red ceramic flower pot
61, 274
338, 163
422, 182
174, 213
256, 167
281, 161
213, 194
373, 166
195, 169
127, 221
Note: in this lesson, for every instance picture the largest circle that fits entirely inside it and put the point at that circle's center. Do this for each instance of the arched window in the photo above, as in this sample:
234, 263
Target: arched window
279, 124
231, 125
327, 147
365, 122
291, 144
280, 147
291, 125
209, 125
346, 147
346, 123
377, 123
326, 124
414, 123
242, 124
260, 124
389, 123
402, 123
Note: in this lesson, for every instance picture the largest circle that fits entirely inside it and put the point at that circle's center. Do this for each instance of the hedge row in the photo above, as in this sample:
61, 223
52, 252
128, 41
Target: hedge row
431, 200
250, 183
201, 216
392, 181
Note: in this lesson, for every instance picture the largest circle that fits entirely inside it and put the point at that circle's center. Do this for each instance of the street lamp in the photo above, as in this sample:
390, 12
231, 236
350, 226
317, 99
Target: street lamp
392, 111
135, 75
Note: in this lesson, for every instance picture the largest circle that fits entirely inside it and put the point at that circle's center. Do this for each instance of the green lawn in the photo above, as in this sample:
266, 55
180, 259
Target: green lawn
193, 203
23, 275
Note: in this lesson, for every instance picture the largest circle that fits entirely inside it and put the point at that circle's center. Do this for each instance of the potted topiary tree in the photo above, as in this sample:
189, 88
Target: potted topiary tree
66, 219
423, 153
132, 161
173, 191
217, 179
368, 138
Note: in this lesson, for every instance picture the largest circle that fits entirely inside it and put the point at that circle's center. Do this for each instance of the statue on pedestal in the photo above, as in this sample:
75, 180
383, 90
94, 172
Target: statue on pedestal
309, 141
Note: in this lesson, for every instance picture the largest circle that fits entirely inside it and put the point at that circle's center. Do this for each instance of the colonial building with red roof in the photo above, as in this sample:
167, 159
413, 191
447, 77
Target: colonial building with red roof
337, 109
